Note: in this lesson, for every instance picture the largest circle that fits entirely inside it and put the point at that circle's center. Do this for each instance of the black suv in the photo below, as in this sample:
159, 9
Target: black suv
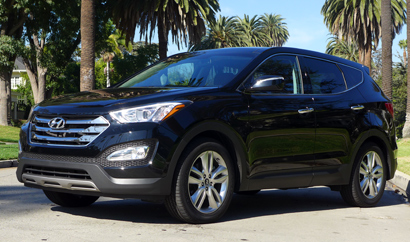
196, 127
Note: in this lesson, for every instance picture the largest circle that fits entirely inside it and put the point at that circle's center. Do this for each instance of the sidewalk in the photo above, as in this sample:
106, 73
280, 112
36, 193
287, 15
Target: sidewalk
8, 163
402, 181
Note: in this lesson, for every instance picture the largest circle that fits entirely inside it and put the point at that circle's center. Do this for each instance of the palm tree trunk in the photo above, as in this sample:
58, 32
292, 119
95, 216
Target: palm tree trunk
386, 48
87, 71
406, 129
404, 57
368, 58
162, 39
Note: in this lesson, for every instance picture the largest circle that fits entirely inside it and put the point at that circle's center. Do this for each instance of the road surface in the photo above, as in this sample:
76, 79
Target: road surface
314, 214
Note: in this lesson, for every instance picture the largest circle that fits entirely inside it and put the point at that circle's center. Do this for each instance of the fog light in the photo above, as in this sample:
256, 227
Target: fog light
130, 153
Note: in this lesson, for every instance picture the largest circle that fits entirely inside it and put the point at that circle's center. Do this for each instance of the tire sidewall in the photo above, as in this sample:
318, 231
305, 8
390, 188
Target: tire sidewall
182, 182
356, 177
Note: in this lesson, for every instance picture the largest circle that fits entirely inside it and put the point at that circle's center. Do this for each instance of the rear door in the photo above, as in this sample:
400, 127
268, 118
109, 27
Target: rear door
337, 105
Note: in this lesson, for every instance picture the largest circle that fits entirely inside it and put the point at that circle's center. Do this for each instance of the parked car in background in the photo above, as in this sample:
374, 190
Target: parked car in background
195, 128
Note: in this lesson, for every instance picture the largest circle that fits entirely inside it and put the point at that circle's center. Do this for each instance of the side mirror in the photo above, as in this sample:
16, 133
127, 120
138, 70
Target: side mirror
267, 83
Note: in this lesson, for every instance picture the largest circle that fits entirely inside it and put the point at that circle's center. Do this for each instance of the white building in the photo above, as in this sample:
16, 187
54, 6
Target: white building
17, 80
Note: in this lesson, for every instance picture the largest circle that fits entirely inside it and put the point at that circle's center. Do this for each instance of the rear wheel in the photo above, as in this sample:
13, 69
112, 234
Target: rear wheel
204, 183
70, 200
368, 180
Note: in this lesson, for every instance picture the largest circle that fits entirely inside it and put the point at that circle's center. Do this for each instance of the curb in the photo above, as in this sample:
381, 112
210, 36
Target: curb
402, 181
8, 163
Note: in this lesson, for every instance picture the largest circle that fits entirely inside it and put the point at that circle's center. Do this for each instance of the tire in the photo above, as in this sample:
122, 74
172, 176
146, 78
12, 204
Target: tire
70, 200
368, 178
201, 194
248, 193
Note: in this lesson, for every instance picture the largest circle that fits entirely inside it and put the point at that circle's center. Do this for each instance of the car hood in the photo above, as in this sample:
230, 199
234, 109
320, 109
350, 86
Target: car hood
98, 101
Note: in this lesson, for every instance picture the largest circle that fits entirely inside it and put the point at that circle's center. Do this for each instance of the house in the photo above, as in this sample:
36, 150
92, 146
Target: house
16, 80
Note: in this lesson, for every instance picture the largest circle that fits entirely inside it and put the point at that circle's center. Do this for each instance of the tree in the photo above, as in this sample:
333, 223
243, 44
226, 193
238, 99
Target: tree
184, 19
275, 28
13, 14
267, 30
52, 34
88, 22
222, 33
387, 48
406, 129
342, 48
403, 46
253, 30
360, 20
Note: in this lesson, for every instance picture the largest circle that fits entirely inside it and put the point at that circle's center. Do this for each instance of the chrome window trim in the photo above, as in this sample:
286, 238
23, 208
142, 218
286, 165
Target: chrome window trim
242, 85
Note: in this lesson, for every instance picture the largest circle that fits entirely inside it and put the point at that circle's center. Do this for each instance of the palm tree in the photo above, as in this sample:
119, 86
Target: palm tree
360, 20
87, 71
253, 31
107, 58
221, 34
342, 48
184, 19
275, 28
387, 48
403, 46
118, 43
406, 128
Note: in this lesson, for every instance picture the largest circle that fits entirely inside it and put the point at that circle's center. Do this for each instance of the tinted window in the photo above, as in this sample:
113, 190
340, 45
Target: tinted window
194, 69
322, 77
283, 72
352, 76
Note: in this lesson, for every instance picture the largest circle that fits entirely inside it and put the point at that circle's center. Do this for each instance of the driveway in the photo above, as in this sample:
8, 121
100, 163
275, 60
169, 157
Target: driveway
315, 214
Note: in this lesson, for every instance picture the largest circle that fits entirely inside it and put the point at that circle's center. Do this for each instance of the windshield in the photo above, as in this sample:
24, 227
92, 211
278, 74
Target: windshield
195, 69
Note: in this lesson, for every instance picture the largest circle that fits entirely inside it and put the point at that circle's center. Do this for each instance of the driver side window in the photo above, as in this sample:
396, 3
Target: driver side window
281, 73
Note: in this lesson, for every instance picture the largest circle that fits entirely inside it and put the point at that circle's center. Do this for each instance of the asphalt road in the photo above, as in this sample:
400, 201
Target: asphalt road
314, 214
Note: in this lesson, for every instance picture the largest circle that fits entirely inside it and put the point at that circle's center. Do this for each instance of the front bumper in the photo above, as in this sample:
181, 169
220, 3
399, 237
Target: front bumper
87, 179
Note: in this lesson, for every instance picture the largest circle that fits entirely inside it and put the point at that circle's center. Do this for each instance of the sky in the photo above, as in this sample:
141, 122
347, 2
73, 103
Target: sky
304, 21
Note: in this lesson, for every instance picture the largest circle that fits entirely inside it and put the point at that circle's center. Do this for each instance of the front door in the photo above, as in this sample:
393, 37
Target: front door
282, 126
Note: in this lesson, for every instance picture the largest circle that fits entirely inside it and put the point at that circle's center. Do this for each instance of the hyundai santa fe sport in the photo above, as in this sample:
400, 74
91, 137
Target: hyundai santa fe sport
195, 128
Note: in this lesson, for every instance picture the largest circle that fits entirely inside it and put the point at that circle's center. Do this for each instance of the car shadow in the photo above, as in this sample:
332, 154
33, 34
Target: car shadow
265, 203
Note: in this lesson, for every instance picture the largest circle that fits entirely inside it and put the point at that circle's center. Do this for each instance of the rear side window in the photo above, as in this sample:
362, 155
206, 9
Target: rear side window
352, 76
322, 77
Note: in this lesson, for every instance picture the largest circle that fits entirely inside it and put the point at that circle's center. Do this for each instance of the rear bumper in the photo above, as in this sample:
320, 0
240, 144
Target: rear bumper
87, 179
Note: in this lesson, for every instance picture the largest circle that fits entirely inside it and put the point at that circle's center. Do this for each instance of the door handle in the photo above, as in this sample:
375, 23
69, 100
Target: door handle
357, 107
306, 110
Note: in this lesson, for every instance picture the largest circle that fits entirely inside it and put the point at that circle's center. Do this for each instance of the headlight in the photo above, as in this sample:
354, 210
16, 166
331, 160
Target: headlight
149, 113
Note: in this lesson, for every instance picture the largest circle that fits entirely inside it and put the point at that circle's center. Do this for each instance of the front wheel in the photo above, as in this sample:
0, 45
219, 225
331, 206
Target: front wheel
204, 183
70, 200
368, 179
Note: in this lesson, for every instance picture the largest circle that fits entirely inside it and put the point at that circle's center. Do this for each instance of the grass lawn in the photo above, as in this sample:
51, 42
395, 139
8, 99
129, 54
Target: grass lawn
404, 155
8, 152
9, 134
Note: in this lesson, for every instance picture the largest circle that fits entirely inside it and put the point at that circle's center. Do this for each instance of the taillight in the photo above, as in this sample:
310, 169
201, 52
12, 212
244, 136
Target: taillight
389, 107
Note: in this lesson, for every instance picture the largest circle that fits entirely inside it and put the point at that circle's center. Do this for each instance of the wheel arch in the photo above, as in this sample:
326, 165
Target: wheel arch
379, 138
222, 133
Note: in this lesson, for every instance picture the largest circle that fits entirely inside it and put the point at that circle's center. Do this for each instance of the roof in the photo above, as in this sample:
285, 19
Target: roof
19, 65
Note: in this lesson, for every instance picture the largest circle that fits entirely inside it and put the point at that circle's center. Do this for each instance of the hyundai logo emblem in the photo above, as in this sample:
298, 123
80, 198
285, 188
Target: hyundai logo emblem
57, 123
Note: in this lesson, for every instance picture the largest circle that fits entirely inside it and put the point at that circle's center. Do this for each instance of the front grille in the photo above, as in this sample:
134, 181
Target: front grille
77, 131
57, 172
